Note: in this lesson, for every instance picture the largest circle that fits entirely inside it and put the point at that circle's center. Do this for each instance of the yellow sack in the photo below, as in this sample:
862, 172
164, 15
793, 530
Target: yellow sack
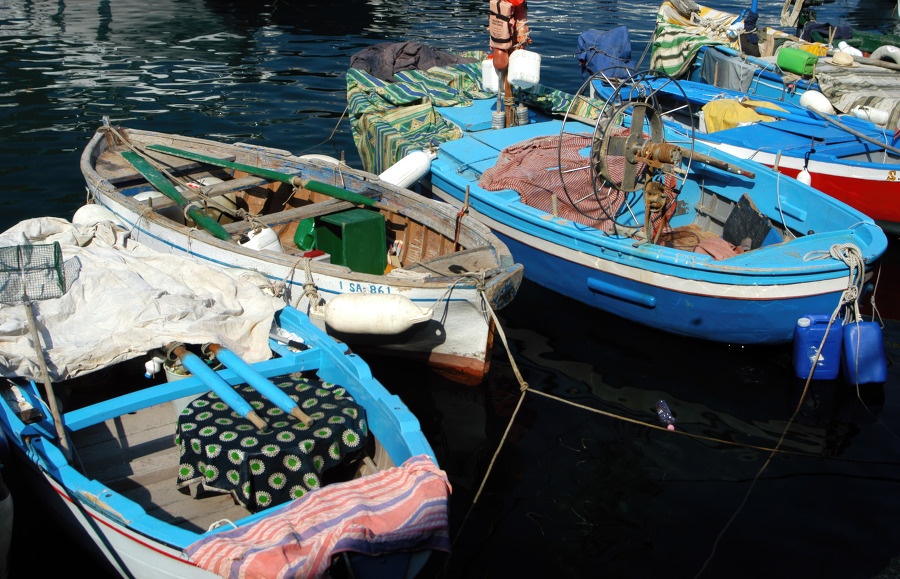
726, 113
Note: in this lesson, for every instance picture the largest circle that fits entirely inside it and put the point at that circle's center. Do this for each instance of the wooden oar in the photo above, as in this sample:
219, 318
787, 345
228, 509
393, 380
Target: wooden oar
293, 180
159, 181
217, 384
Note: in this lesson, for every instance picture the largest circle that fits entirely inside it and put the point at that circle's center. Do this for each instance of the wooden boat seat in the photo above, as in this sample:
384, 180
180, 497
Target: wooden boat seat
289, 215
217, 190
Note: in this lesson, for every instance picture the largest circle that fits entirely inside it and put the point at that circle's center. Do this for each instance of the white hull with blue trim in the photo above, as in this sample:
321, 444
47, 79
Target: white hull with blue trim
456, 268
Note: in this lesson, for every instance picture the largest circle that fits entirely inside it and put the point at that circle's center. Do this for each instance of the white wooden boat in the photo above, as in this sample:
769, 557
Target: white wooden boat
416, 283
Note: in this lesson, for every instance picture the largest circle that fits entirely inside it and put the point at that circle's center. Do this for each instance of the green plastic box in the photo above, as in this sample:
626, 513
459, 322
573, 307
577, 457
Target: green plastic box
355, 238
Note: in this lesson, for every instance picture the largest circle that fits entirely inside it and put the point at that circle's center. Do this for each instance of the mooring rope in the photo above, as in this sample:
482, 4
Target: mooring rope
851, 255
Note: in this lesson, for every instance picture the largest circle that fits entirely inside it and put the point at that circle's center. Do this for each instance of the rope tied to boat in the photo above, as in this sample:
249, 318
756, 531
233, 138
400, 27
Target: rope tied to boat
310, 291
523, 389
851, 255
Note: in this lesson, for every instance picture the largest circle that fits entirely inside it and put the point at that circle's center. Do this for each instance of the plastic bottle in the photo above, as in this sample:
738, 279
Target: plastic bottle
849, 49
665, 415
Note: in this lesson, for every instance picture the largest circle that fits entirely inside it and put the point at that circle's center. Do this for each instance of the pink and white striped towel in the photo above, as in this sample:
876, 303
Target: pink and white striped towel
399, 509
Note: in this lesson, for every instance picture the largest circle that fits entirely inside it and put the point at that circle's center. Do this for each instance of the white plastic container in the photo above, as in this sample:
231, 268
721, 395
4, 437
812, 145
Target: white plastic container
524, 68
409, 169
844, 47
489, 79
265, 238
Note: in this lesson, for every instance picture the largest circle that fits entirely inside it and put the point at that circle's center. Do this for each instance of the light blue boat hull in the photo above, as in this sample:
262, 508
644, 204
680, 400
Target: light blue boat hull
754, 298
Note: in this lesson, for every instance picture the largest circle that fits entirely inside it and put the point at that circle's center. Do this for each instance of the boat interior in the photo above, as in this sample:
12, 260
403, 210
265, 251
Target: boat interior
125, 438
302, 222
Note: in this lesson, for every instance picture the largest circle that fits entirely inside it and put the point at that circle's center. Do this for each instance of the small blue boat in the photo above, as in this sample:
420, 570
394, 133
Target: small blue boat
628, 217
163, 475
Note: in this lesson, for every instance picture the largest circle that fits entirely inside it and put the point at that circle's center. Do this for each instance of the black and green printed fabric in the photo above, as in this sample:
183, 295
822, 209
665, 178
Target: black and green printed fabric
226, 453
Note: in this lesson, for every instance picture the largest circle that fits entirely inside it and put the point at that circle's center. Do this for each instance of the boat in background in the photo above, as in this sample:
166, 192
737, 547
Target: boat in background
377, 266
848, 158
605, 204
703, 44
232, 468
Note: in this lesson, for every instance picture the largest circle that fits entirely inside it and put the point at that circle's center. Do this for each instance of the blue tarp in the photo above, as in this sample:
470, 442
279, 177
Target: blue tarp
605, 51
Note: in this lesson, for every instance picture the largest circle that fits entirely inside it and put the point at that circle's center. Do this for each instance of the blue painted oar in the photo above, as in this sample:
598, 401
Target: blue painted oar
262, 385
223, 390
791, 117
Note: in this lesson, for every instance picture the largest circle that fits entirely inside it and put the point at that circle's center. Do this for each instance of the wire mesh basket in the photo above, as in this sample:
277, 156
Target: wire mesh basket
32, 272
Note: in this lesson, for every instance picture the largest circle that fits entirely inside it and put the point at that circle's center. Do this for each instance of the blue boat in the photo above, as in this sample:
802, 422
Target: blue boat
848, 158
628, 217
301, 460
702, 44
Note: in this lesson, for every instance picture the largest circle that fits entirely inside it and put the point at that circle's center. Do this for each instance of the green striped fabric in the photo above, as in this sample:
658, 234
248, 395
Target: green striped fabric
674, 48
391, 119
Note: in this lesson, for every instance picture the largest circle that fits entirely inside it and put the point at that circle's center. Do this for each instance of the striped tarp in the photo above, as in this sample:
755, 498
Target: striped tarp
399, 509
677, 38
391, 119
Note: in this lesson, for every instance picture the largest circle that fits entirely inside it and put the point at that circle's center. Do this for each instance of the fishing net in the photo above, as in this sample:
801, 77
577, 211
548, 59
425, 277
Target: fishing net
31, 271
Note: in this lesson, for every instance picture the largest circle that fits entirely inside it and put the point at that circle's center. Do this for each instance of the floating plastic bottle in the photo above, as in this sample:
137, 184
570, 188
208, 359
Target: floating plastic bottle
665, 415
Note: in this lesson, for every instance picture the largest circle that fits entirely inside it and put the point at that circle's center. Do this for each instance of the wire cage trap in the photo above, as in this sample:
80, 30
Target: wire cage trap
35, 272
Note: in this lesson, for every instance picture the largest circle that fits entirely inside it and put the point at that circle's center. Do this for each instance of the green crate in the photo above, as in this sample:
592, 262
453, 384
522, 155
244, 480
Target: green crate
354, 238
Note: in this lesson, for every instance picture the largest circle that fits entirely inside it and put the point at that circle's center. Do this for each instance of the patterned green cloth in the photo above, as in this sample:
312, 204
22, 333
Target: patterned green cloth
225, 453
392, 119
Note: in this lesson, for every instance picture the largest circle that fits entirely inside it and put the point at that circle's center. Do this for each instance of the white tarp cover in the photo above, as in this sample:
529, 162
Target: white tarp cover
128, 300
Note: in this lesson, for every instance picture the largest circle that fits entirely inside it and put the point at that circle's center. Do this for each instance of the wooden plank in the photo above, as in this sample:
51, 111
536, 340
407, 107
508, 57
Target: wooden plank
283, 217
219, 189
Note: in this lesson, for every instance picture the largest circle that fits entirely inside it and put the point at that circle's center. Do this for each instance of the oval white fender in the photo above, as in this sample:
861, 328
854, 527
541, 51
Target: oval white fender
371, 313
887, 53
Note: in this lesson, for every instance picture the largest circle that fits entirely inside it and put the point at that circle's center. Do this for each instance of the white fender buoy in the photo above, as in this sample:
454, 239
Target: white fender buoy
91, 214
409, 169
816, 102
804, 177
877, 116
887, 53
371, 313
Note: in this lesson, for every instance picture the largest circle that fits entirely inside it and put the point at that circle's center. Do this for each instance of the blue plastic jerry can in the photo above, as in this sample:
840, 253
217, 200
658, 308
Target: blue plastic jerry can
808, 334
863, 352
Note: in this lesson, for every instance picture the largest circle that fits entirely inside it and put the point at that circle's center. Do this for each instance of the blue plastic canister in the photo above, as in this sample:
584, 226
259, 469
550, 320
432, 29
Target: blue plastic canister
808, 334
864, 360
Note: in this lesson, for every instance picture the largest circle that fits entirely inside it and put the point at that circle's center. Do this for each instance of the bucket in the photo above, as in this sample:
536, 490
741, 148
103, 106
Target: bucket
808, 334
864, 361
524, 68
489, 79
265, 238
797, 61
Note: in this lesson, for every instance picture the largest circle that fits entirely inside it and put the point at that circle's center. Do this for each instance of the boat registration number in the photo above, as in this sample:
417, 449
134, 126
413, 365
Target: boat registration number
362, 288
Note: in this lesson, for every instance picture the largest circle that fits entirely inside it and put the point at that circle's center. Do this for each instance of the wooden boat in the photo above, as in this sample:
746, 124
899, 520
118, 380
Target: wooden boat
413, 277
848, 158
138, 449
620, 218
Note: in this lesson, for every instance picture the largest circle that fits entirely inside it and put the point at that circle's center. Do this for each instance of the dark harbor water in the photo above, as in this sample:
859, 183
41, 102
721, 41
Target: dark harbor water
577, 491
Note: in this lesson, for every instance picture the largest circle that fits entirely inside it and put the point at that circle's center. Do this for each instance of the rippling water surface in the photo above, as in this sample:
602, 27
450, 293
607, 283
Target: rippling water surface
574, 493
